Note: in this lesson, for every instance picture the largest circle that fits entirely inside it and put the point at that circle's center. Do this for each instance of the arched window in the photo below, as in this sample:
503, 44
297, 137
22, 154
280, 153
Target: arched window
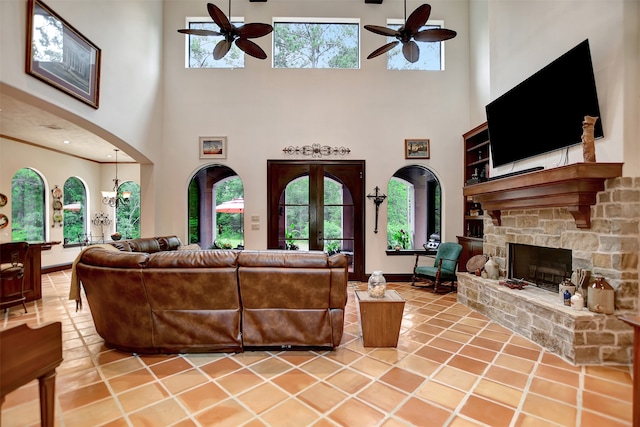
27, 206
210, 224
74, 211
128, 214
414, 208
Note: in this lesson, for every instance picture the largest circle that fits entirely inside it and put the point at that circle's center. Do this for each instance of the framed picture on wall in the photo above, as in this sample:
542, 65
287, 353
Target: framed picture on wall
60, 56
416, 149
213, 147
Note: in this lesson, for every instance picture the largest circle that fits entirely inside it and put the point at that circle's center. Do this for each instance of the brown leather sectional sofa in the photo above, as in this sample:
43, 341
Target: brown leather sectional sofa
165, 300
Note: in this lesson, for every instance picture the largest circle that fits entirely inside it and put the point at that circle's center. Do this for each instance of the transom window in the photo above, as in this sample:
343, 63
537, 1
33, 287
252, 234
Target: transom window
317, 43
431, 53
199, 49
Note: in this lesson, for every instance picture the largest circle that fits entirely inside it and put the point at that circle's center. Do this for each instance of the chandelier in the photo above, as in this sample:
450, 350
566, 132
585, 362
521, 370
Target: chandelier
114, 198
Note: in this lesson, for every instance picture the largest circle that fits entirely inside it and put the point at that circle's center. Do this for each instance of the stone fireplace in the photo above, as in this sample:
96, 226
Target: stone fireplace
608, 247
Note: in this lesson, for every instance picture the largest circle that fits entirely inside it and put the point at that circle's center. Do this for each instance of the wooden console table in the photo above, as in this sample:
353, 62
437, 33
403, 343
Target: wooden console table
27, 354
380, 318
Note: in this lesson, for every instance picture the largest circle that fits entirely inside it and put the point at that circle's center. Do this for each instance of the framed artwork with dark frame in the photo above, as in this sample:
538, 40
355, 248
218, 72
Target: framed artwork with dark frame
416, 149
60, 56
213, 147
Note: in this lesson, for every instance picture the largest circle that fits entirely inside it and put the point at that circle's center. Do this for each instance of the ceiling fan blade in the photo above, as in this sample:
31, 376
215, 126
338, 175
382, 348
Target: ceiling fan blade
252, 31
379, 51
418, 18
221, 49
219, 17
411, 51
200, 32
383, 31
434, 35
250, 48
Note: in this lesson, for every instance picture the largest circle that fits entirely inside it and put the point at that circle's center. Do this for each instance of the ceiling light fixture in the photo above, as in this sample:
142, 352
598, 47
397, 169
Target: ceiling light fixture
114, 198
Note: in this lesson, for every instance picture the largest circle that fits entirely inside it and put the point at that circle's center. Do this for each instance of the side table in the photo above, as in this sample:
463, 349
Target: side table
380, 318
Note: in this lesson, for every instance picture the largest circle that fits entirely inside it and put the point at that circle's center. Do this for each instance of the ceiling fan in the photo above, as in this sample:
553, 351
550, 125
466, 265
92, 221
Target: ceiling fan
239, 35
409, 31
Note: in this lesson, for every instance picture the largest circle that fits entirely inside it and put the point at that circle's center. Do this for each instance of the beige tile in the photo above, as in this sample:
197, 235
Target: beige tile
162, 413
262, 398
443, 395
354, 413
322, 397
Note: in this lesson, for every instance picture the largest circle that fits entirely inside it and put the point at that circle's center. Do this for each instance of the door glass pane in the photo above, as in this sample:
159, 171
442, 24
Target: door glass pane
294, 225
338, 220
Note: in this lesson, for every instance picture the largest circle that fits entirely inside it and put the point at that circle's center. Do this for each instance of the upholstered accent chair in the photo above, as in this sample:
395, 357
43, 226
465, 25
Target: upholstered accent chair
442, 274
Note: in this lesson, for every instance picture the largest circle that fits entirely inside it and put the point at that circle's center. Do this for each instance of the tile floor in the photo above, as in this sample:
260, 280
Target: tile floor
452, 367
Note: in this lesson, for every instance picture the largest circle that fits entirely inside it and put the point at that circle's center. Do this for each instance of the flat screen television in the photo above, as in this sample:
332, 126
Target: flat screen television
545, 112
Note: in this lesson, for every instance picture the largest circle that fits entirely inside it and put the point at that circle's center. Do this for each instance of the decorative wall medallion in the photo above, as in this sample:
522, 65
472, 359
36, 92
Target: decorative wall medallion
316, 150
3, 200
4, 221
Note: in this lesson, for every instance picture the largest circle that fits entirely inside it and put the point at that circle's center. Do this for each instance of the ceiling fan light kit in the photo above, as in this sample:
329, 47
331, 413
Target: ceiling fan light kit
407, 34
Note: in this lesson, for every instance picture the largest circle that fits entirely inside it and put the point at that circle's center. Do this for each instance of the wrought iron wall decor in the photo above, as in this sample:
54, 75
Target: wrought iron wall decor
377, 198
316, 150
56, 194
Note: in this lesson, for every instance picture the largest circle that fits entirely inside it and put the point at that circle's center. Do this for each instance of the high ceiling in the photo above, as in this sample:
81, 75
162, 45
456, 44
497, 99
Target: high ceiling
27, 123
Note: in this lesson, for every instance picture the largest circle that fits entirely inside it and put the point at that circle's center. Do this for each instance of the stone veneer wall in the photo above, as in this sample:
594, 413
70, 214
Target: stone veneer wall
608, 249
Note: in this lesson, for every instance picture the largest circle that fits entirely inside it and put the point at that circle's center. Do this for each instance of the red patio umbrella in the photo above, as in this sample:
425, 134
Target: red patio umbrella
231, 206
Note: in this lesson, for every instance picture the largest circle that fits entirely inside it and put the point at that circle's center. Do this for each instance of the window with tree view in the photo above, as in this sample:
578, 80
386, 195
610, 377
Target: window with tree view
317, 44
74, 211
200, 48
27, 206
431, 53
128, 214
414, 208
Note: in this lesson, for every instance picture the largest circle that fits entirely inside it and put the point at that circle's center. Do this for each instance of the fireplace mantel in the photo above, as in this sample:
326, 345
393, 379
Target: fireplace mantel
573, 186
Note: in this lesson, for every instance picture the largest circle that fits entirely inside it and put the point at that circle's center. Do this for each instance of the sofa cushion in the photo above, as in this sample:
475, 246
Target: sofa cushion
169, 243
109, 258
193, 259
148, 244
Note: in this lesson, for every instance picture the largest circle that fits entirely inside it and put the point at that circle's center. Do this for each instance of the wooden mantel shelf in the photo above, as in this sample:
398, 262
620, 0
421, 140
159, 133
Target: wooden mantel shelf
573, 186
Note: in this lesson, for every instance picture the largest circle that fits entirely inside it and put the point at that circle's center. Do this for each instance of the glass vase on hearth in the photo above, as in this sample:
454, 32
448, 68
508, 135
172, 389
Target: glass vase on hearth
377, 285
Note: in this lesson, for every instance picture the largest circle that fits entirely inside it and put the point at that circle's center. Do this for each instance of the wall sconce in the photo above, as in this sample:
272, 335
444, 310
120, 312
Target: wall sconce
377, 198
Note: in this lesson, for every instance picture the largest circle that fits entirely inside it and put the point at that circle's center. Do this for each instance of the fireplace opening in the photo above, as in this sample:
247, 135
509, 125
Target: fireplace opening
538, 265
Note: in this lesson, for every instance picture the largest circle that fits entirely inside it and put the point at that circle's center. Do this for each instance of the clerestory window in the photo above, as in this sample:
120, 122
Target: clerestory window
317, 43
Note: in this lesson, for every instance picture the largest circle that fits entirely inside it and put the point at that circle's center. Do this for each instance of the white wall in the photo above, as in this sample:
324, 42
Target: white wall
262, 110
151, 104
527, 35
129, 34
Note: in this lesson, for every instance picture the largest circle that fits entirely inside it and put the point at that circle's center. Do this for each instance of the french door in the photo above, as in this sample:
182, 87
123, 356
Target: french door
318, 206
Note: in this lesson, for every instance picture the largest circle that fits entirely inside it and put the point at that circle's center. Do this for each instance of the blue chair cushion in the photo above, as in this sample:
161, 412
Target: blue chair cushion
432, 271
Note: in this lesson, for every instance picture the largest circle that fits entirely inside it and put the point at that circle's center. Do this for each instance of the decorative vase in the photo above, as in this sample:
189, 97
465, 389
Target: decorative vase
377, 285
566, 286
116, 236
492, 268
588, 140
601, 297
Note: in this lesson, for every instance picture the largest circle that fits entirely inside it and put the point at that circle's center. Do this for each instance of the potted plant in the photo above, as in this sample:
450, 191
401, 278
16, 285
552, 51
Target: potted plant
289, 236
